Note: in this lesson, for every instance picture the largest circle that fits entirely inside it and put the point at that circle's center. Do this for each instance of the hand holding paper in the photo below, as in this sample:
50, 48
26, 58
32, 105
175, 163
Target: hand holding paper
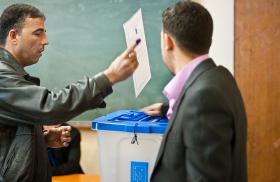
123, 66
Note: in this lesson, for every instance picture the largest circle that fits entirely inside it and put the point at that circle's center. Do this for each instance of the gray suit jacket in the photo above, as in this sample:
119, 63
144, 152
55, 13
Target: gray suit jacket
206, 136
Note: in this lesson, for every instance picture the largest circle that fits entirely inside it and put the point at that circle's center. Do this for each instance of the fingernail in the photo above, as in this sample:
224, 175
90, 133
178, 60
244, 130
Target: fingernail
138, 41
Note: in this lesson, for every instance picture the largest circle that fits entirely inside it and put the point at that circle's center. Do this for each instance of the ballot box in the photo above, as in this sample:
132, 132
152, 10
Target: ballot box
128, 145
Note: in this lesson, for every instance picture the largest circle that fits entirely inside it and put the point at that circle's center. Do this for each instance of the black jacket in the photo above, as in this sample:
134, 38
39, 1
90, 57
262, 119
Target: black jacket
25, 107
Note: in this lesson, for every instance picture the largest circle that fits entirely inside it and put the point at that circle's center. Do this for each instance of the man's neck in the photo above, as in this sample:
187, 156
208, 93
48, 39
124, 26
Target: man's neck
181, 59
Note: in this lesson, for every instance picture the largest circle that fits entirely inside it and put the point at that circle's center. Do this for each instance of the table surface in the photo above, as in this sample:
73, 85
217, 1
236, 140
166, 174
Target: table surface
76, 178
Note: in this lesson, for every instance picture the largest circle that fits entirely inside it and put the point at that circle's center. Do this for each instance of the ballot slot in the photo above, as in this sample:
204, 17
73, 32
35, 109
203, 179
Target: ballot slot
136, 116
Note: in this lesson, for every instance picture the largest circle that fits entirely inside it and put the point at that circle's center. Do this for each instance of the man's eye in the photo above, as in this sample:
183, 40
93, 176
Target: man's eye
37, 33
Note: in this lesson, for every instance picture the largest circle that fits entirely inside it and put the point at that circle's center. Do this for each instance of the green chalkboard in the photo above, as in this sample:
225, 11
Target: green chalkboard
86, 35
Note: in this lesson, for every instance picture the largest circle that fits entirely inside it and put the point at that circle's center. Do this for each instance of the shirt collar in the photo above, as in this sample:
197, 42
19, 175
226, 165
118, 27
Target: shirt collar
173, 89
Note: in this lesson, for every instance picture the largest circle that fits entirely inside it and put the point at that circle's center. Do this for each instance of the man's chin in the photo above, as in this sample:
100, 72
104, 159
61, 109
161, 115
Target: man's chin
34, 61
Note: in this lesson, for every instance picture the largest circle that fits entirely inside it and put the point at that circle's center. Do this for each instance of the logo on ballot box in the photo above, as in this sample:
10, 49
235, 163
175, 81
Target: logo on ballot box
139, 171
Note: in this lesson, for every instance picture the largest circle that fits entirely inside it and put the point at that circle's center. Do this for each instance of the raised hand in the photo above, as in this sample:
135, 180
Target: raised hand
123, 66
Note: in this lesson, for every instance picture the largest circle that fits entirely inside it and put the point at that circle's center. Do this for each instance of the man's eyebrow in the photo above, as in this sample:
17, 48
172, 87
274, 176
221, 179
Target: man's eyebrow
40, 30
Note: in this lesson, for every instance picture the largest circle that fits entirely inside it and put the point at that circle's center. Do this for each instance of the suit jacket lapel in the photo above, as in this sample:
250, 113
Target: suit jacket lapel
204, 66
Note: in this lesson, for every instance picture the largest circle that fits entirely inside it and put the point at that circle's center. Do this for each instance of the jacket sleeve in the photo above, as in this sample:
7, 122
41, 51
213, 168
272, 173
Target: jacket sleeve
24, 102
207, 134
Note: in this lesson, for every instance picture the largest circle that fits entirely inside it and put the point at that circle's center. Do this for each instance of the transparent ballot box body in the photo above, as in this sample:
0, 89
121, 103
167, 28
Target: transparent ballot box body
128, 145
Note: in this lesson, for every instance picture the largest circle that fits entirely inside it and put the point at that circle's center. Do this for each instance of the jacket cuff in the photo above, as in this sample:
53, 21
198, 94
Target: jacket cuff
103, 83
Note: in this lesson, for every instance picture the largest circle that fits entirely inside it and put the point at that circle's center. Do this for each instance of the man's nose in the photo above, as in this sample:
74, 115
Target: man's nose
45, 40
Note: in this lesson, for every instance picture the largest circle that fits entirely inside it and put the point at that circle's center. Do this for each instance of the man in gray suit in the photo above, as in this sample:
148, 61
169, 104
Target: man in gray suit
206, 136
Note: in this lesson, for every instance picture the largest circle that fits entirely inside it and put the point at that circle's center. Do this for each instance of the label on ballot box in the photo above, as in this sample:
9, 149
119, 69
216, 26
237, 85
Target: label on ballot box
139, 171
128, 145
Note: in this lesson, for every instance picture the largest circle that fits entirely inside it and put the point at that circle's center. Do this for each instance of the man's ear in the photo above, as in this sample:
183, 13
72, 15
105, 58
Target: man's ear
12, 36
169, 42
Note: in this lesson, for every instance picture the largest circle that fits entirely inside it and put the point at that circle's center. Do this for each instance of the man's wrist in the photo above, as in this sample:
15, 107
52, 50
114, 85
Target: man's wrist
110, 76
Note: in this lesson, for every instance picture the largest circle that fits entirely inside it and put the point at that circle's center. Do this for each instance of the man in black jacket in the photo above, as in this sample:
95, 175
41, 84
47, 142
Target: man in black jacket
25, 105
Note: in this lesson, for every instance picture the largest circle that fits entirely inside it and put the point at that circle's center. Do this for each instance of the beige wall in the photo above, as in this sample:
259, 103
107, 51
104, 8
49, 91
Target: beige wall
222, 48
89, 149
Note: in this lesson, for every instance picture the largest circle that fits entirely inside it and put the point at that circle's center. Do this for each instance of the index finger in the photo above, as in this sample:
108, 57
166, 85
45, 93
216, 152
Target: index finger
131, 48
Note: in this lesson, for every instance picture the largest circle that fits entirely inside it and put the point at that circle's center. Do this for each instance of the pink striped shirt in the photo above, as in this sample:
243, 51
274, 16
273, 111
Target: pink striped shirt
173, 89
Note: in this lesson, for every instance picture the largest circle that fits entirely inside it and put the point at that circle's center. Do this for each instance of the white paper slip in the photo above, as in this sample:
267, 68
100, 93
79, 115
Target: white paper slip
134, 29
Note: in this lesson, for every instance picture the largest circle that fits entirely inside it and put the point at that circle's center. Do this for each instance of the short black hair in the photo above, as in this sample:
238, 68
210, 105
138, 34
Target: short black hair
14, 17
190, 24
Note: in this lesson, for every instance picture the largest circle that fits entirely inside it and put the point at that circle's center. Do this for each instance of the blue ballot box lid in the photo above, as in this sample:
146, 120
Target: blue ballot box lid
130, 121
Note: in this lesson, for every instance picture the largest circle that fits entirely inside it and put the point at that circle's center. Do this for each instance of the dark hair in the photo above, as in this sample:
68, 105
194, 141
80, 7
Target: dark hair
14, 17
190, 24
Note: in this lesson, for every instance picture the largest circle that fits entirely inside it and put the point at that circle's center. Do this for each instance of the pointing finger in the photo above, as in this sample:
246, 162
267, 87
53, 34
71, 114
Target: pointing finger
131, 48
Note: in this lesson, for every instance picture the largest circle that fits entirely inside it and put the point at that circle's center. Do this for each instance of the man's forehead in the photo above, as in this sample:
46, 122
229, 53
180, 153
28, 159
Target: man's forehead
34, 23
